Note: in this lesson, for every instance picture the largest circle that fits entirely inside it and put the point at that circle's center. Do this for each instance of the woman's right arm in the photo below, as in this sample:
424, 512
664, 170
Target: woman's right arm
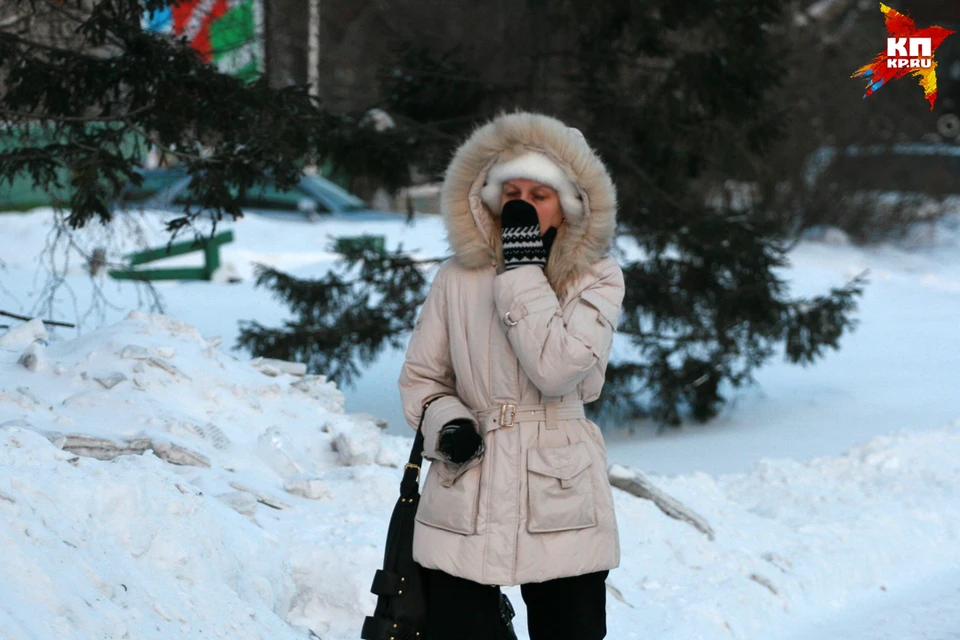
427, 371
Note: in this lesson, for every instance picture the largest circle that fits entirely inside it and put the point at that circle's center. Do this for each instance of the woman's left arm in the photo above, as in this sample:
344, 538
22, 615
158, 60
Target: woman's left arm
557, 356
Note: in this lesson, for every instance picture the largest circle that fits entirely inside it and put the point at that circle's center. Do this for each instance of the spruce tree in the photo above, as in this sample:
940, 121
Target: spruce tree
347, 317
677, 99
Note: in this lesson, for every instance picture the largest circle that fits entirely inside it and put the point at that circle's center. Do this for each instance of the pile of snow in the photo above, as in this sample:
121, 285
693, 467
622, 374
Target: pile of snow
795, 542
227, 521
153, 486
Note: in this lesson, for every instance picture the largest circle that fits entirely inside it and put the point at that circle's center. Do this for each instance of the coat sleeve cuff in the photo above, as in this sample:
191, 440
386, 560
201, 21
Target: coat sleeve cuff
440, 412
522, 291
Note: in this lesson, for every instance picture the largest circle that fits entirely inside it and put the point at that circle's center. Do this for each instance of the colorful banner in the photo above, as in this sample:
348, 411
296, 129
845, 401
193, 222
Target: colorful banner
226, 33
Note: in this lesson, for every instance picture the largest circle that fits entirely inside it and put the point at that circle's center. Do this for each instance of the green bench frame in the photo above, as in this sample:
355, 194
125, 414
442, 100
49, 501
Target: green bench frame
211, 254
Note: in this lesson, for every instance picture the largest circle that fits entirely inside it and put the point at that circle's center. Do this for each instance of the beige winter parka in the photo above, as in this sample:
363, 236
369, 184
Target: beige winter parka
536, 505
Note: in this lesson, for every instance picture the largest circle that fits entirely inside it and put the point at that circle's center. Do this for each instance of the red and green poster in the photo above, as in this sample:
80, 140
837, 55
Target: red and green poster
226, 33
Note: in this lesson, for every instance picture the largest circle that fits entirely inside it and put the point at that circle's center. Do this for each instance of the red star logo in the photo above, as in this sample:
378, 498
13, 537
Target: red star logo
907, 54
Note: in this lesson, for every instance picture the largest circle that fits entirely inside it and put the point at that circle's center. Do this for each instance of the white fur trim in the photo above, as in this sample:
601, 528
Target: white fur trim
474, 234
531, 166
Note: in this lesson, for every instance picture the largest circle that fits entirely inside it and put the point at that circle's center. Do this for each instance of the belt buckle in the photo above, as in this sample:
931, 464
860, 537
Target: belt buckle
513, 414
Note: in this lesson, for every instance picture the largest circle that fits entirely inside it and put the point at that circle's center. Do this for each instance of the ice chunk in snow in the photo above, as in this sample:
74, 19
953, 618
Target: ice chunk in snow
273, 367
32, 358
323, 390
380, 422
106, 449
262, 497
134, 352
306, 487
275, 449
356, 443
176, 454
240, 501
110, 381
20, 336
164, 352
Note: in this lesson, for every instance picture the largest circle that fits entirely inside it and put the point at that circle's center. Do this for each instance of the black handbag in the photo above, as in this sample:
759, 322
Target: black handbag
401, 585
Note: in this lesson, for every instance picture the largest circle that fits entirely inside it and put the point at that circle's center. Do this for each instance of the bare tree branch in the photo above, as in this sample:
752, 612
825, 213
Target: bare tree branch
28, 318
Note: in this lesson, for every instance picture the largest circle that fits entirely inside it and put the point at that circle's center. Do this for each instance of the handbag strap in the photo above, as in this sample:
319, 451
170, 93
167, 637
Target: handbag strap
410, 484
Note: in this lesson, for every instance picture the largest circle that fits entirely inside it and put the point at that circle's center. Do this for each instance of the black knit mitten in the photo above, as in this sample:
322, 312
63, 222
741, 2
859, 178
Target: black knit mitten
520, 233
459, 441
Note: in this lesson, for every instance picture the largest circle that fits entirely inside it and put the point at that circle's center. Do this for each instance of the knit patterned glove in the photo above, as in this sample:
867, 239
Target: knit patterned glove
459, 441
520, 233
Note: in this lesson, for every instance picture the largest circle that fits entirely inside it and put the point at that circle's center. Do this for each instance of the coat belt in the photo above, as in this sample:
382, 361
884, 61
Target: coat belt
507, 415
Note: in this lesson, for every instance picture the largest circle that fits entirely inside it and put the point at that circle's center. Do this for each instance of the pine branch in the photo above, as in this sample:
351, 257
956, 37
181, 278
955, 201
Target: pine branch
345, 318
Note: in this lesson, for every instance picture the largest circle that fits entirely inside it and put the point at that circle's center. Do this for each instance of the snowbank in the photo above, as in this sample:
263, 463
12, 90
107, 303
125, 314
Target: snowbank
132, 546
128, 549
794, 541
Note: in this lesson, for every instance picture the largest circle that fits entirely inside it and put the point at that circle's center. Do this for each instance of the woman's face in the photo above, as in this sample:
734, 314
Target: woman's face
543, 198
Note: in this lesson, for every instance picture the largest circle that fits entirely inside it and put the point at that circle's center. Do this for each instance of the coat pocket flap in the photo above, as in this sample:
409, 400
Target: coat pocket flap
609, 311
562, 463
449, 473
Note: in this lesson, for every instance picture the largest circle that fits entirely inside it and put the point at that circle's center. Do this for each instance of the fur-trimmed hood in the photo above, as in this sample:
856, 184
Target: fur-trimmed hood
474, 231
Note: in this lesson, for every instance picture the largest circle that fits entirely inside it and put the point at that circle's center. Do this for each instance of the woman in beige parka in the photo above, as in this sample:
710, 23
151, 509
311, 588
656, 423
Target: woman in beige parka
511, 342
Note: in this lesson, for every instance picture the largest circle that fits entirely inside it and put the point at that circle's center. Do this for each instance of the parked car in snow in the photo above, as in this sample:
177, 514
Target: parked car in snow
154, 181
313, 198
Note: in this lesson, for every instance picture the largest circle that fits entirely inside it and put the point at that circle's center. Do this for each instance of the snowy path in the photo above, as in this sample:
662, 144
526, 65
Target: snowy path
925, 611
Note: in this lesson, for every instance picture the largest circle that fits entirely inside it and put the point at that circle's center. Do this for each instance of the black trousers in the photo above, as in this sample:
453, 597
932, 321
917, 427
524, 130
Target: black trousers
571, 608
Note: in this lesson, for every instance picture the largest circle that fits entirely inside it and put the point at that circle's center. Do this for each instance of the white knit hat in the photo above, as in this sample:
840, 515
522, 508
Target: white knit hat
532, 165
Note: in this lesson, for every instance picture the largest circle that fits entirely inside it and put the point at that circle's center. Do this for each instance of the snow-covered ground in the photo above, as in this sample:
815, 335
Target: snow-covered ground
834, 490
899, 369
925, 610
